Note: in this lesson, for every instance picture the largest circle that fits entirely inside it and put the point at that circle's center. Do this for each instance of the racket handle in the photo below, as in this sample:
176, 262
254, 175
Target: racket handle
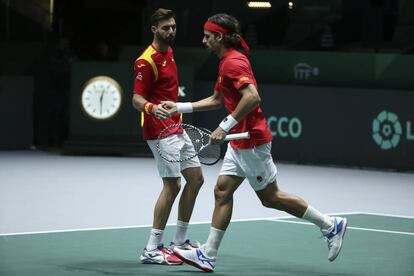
237, 136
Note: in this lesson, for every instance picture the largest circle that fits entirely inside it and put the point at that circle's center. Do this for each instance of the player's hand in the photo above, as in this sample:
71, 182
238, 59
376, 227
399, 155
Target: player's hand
217, 136
171, 107
160, 112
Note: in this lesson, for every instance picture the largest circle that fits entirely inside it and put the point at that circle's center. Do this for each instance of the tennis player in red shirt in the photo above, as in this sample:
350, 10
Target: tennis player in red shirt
156, 80
236, 87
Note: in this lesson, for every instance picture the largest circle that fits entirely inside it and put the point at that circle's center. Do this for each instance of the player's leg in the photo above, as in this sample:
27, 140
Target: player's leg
272, 197
333, 228
165, 201
191, 170
231, 176
194, 181
205, 256
155, 252
223, 210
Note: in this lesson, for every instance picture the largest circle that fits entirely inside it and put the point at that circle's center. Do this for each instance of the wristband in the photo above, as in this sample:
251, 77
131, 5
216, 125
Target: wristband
148, 107
228, 123
184, 107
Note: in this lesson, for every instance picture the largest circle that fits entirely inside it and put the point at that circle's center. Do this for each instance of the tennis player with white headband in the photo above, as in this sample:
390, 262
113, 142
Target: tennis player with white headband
237, 89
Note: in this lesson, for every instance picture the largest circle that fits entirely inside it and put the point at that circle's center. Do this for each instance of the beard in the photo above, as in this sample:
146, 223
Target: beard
169, 40
210, 50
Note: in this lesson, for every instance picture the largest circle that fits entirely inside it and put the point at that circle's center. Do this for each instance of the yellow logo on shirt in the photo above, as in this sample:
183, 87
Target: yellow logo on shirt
140, 65
242, 79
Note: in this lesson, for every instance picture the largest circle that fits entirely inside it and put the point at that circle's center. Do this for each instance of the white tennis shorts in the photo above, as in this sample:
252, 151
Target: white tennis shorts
179, 147
254, 164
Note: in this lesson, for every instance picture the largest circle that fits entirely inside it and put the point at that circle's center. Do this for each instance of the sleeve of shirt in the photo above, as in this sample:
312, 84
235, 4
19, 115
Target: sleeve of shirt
143, 78
239, 73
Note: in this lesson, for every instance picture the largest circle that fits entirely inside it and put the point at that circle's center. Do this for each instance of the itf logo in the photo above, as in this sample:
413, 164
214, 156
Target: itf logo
304, 71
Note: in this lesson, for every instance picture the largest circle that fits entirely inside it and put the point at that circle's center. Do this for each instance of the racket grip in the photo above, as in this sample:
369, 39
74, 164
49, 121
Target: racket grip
237, 136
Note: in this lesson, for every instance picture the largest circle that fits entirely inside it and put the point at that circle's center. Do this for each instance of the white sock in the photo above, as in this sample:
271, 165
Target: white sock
154, 239
323, 221
213, 242
181, 232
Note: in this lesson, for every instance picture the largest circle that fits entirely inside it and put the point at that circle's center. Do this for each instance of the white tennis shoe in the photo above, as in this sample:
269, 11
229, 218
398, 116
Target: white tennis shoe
197, 258
160, 255
335, 237
187, 245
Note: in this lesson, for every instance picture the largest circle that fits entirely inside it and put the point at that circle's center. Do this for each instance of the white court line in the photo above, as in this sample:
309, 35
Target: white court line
129, 227
208, 222
386, 215
350, 227
149, 225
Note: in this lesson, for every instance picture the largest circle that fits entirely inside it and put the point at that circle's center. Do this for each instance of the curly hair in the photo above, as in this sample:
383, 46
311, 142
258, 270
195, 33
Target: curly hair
231, 40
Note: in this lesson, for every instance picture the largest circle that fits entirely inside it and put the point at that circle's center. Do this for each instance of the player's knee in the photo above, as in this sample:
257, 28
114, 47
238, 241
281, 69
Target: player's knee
266, 203
199, 181
195, 183
172, 188
272, 201
221, 195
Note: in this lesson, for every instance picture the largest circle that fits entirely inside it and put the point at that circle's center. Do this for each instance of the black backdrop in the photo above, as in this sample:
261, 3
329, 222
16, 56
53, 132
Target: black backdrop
333, 125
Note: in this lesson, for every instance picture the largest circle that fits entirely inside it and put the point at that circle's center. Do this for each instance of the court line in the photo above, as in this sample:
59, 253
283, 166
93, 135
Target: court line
386, 215
350, 227
144, 226
281, 218
128, 227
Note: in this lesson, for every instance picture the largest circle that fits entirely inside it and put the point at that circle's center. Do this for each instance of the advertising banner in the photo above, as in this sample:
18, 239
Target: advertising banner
330, 125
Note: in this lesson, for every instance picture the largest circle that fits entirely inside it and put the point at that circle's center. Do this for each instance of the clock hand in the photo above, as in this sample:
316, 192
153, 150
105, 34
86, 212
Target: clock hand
100, 102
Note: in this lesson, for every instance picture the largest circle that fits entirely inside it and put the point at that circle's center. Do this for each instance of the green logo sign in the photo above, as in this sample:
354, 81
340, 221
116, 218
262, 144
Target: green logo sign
285, 127
386, 130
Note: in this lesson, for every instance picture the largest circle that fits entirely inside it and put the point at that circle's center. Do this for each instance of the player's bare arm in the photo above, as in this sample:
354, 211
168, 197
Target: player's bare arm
215, 101
157, 110
249, 100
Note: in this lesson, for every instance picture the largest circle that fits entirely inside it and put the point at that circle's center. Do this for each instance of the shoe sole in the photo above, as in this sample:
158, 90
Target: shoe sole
191, 262
149, 261
163, 263
342, 238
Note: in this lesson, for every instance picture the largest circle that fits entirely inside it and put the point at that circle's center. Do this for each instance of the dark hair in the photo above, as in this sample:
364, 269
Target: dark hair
161, 14
230, 23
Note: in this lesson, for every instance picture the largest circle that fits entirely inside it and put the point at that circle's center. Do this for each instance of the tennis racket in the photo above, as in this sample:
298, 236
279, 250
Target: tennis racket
207, 153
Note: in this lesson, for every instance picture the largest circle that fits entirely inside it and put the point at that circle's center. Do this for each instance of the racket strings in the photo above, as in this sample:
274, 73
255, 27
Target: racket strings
210, 154
207, 154
196, 137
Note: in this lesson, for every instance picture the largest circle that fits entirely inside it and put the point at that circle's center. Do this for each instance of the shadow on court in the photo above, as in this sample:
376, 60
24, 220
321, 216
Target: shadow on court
231, 265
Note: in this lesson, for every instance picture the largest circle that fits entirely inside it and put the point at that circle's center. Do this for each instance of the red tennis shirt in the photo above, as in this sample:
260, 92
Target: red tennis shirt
235, 72
156, 79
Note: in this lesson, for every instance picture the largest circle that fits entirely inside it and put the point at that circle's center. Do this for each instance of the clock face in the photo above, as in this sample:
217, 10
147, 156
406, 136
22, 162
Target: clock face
101, 97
